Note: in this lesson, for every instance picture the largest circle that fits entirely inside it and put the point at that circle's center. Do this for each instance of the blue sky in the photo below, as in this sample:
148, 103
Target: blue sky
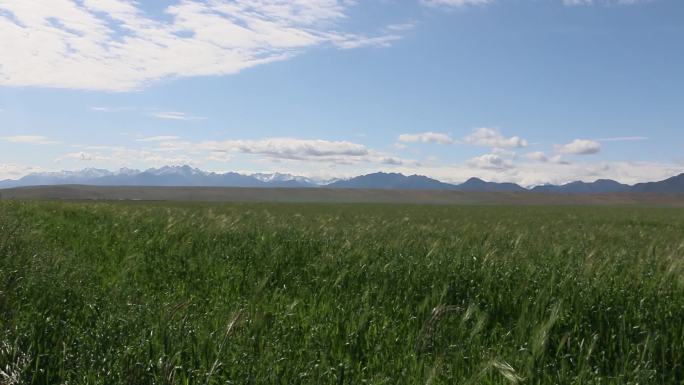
528, 91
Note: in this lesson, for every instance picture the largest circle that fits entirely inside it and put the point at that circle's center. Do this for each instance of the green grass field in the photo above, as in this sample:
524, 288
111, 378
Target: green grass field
142, 293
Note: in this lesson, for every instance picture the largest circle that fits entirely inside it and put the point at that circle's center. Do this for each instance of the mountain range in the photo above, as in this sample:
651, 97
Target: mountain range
189, 176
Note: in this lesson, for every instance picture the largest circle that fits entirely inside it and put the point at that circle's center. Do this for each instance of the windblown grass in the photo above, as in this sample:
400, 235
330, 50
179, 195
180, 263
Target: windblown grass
340, 294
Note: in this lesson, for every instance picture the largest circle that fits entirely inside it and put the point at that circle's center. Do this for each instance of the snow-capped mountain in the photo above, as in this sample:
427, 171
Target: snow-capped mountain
186, 171
278, 177
190, 176
163, 176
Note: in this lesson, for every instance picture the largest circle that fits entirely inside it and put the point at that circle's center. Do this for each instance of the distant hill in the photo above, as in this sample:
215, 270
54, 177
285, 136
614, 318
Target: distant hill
670, 186
186, 176
601, 186
164, 176
181, 176
381, 180
477, 184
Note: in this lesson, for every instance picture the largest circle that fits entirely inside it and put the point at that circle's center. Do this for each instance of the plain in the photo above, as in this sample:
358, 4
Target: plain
216, 293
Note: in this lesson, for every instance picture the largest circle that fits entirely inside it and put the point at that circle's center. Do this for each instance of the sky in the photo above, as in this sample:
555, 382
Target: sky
524, 91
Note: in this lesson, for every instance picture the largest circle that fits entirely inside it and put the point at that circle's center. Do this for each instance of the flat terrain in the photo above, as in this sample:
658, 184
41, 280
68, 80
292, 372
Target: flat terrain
274, 293
237, 194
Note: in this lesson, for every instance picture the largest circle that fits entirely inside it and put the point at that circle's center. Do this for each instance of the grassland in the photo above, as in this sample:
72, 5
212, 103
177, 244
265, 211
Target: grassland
329, 195
161, 293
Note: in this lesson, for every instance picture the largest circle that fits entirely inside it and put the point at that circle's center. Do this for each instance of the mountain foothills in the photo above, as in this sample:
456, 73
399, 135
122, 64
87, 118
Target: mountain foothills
189, 176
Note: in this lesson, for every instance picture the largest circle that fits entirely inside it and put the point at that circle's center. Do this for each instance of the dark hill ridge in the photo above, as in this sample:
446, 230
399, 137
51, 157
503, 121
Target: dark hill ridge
669, 185
381, 180
186, 176
477, 184
600, 186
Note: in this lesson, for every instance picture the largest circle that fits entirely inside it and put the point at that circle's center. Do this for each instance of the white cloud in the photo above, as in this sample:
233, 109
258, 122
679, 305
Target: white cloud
301, 151
220, 157
491, 162
291, 148
111, 109
538, 156
560, 173
113, 45
504, 152
391, 160
133, 157
426, 137
161, 138
88, 147
83, 156
150, 111
15, 171
166, 149
580, 147
541, 157
558, 159
491, 137
28, 139
175, 115
350, 41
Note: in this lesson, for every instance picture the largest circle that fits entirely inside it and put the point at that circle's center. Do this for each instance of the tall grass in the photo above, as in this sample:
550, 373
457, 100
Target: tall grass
339, 294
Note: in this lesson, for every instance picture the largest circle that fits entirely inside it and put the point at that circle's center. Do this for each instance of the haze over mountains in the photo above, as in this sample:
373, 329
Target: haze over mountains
189, 176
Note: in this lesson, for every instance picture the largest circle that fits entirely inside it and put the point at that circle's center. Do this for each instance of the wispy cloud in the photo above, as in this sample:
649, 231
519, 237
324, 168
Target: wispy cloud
28, 139
354, 41
175, 115
161, 138
454, 3
151, 111
111, 109
426, 137
623, 139
83, 156
114, 45
124, 156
